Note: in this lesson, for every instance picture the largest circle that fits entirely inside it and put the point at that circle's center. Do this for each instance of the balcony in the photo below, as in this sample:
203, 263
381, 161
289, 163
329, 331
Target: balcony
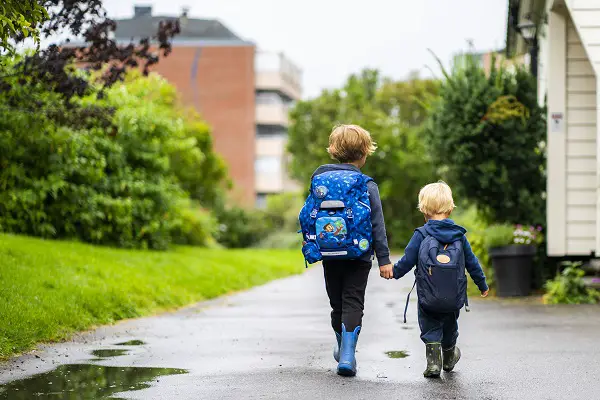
272, 114
274, 72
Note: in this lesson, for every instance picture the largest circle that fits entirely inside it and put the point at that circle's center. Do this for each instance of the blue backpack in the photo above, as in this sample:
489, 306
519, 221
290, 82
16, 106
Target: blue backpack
440, 276
336, 218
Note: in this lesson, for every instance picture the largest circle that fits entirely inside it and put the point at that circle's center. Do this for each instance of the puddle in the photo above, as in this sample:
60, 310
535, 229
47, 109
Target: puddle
83, 381
132, 343
397, 354
107, 353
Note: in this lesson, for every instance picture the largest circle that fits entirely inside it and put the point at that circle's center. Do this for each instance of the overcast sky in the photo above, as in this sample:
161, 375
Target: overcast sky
330, 39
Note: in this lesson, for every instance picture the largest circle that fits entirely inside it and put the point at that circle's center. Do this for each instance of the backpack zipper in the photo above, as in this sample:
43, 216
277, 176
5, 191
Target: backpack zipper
430, 274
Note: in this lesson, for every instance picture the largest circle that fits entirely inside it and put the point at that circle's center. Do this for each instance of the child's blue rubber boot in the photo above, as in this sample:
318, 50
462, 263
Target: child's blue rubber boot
336, 349
347, 363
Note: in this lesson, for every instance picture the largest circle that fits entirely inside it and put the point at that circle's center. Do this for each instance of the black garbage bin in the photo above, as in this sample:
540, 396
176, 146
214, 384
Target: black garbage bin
513, 269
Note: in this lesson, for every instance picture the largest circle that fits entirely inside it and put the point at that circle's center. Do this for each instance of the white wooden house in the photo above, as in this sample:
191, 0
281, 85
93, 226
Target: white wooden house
569, 63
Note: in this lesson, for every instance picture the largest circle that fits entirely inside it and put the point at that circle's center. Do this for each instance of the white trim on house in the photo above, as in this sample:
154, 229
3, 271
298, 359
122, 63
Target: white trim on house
572, 44
556, 184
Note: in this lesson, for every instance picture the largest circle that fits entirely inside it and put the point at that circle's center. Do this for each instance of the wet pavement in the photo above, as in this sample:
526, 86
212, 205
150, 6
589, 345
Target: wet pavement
274, 342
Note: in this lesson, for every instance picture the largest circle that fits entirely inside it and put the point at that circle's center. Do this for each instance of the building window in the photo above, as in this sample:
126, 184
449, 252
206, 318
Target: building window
269, 98
267, 165
261, 200
270, 131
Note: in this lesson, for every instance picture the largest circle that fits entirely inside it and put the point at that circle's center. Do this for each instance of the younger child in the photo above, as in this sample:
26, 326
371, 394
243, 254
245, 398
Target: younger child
441, 252
346, 277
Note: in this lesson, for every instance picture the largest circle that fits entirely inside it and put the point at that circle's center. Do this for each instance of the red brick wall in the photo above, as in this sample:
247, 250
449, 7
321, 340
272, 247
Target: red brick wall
223, 92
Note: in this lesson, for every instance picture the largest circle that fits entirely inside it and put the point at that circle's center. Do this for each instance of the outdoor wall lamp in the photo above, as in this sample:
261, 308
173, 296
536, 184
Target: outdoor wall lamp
529, 31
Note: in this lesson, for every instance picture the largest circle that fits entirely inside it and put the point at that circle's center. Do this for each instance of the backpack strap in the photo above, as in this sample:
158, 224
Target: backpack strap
424, 233
408, 299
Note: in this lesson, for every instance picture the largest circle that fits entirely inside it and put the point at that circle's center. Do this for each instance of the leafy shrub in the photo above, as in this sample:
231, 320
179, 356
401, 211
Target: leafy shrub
568, 287
505, 235
499, 235
476, 233
281, 212
239, 228
112, 185
197, 226
291, 241
486, 135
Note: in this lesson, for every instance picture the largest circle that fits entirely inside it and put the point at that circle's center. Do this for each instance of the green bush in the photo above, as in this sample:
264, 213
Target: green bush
109, 184
476, 227
486, 134
568, 287
197, 226
499, 235
287, 240
240, 228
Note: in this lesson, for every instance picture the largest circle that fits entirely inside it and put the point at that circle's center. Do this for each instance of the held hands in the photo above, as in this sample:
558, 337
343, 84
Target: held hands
484, 294
386, 271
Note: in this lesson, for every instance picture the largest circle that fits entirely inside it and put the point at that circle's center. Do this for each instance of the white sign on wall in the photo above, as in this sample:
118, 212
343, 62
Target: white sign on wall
557, 122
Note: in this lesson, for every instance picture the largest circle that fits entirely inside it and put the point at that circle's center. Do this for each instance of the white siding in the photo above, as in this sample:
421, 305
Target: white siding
581, 145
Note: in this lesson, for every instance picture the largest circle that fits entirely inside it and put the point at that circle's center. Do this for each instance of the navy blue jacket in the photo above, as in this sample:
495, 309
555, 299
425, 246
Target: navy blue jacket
380, 243
445, 231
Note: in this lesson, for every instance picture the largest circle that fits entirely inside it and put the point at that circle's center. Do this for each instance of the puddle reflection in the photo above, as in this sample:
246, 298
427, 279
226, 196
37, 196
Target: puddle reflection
83, 381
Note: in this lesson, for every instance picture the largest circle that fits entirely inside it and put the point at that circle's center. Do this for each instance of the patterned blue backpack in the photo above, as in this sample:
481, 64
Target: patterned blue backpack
336, 218
440, 276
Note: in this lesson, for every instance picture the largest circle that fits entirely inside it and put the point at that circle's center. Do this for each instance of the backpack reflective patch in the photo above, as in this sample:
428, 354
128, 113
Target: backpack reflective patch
336, 218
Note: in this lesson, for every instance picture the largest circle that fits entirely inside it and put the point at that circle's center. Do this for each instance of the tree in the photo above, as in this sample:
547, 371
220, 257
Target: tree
486, 135
20, 18
86, 19
391, 111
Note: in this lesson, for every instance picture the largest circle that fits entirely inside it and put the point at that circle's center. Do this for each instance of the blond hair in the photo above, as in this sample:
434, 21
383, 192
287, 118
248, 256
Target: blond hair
349, 143
436, 199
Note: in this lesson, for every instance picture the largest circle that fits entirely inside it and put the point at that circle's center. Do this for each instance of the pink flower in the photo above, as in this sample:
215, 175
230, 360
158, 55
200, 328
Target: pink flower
519, 226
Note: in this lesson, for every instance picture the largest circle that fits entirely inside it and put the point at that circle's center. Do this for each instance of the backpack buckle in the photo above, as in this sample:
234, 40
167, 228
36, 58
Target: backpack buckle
349, 213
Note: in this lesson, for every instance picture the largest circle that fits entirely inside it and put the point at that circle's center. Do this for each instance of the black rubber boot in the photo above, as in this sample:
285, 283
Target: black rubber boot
451, 357
433, 352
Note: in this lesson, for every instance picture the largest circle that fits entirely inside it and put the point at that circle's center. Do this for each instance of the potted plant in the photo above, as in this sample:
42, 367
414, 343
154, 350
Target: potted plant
512, 250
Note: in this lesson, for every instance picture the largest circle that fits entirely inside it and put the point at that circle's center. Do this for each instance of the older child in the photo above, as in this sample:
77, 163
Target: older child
342, 222
441, 252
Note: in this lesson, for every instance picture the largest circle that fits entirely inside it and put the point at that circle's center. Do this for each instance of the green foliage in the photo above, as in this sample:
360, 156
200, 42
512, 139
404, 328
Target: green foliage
486, 136
51, 289
281, 213
499, 235
568, 287
240, 228
113, 185
20, 17
392, 112
197, 227
286, 240
476, 228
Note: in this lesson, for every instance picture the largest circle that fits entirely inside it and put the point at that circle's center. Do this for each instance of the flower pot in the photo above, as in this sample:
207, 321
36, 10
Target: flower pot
513, 269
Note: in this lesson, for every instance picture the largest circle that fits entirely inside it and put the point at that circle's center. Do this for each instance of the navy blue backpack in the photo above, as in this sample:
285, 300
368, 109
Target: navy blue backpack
335, 221
440, 276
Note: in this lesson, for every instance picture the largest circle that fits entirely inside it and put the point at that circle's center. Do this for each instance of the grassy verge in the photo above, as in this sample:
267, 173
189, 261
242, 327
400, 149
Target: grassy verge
49, 290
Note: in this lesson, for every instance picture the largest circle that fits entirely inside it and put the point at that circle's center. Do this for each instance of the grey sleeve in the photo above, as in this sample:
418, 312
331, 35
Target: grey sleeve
380, 243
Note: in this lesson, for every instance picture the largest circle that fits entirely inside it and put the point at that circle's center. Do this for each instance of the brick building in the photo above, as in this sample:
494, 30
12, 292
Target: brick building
214, 70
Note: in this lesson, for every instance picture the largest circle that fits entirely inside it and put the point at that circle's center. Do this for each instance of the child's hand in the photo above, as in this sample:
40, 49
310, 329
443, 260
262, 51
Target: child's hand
484, 294
386, 271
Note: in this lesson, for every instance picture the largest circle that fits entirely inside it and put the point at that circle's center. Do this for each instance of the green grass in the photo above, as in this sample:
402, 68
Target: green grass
51, 289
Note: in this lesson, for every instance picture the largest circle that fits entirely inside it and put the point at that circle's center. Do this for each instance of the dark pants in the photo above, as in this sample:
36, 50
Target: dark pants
439, 327
346, 283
